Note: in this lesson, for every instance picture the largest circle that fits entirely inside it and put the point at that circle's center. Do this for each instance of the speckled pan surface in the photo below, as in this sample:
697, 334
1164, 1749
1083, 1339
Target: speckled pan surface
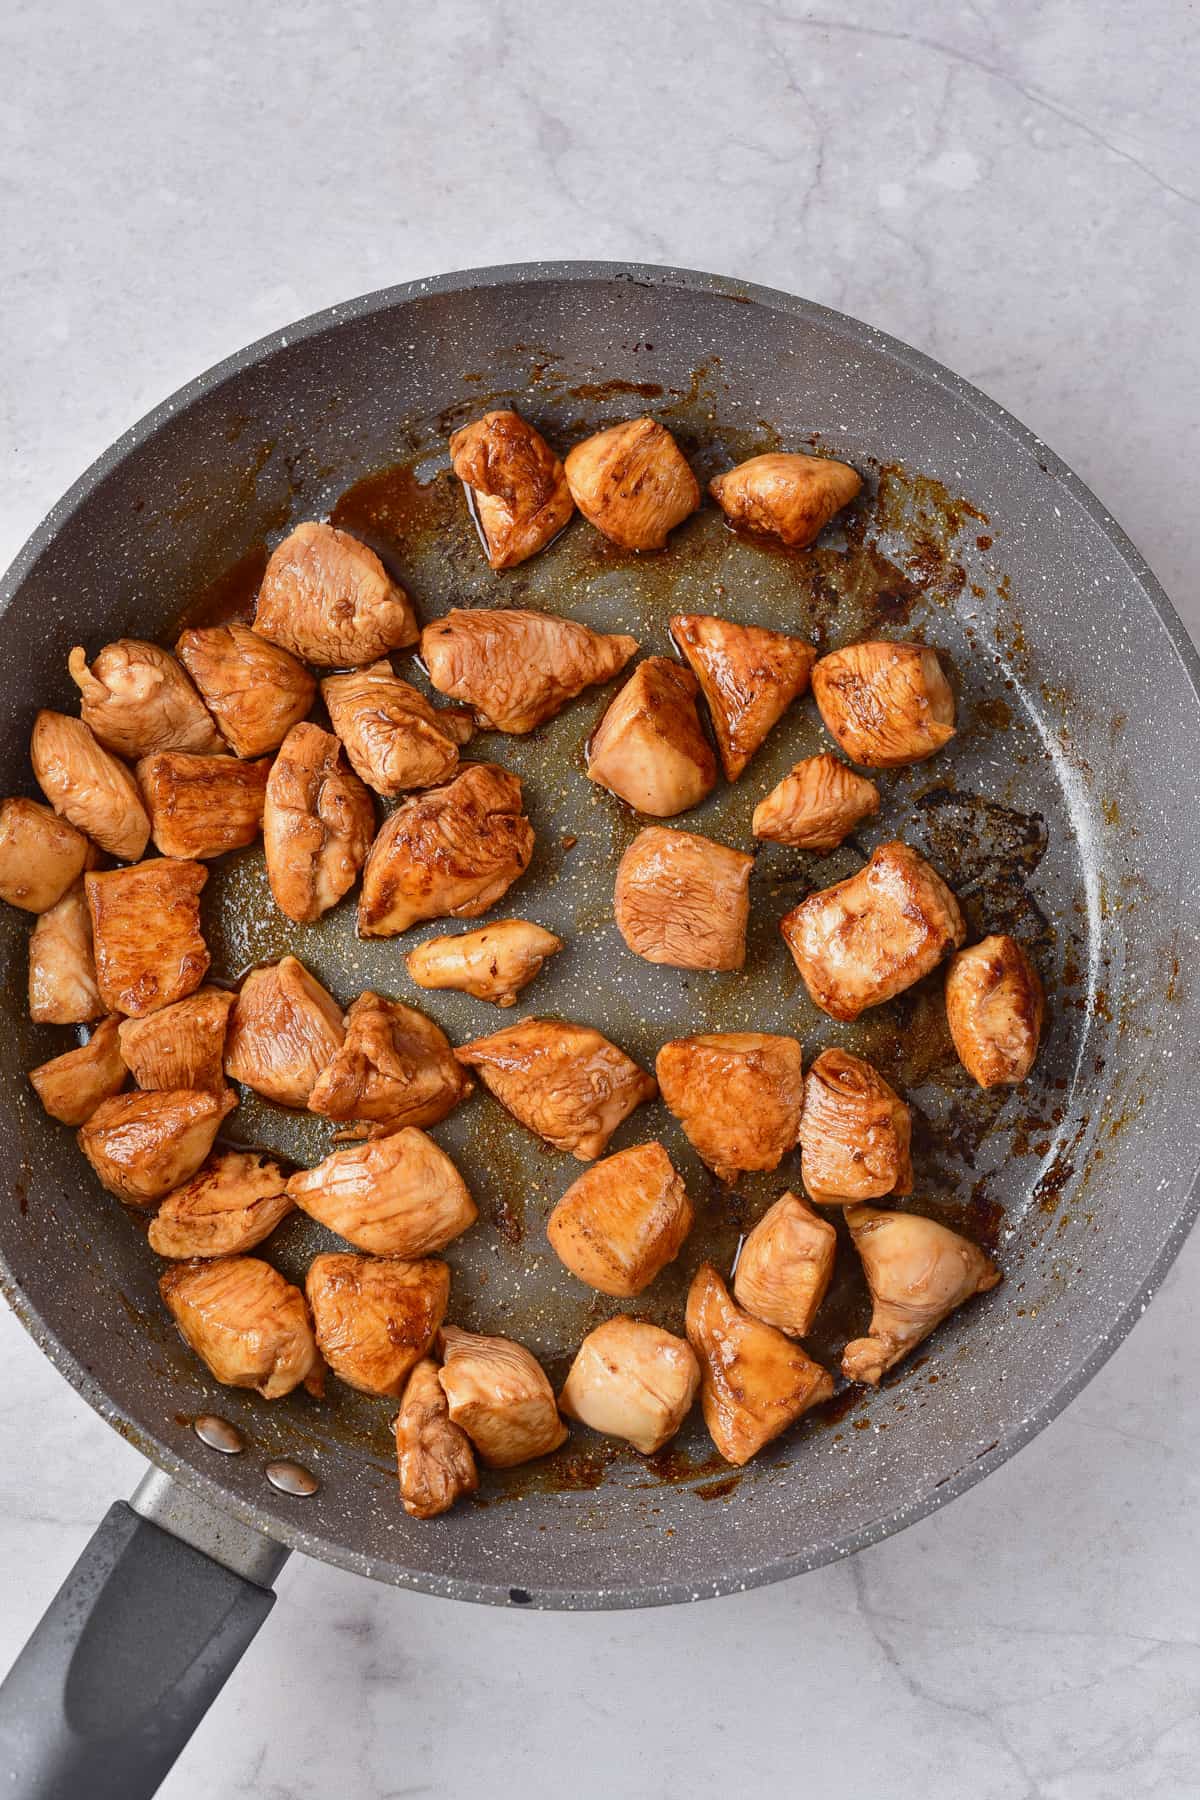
1065, 811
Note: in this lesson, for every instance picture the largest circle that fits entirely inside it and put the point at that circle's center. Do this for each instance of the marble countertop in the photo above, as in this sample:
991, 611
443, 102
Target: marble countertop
1016, 190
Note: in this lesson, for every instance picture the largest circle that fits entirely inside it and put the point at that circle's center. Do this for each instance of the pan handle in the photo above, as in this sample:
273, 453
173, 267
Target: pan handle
134, 1648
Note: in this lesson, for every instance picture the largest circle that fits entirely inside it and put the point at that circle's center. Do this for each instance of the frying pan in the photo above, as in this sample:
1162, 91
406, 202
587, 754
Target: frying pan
1065, 812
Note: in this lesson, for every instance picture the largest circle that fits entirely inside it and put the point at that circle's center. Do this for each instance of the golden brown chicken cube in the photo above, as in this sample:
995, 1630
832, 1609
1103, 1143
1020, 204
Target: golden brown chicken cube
396, 1196
41, 855
737, 1094
318, 822
89, 787
202, 806
493, 962
866, 939
329, 600
518, 668
375, 1316
180, 1046
434, 1457
918, 1272
994, 1005
649, 749
394, 1067
62, 964
884, 704
749, 678
249, 1325
622, 1221
71, 1086
754, 1381
633, 483
785, 1266
855, 1134
515, 483
255, 690
565, 1082
138, 701
816, 805
146, 932
632, 1380
230, 1204
450, 852
683, 900
791, 497
142, 1145
393, 737
283, 1030
498, 1393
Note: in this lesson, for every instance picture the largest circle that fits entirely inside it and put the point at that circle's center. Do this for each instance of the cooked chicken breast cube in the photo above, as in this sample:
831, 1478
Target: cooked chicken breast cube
493, 962
855, 1133
918, 1271
138, 700
786, 496
330, 601
566, 1082
318, 822
683, 900
649, 749
737, 1094
254, 690
749, 678
375, 1316
516, 484
62, 964
622, 1221
394, 738
434, 1456
394, 1067
866, 939
816, 805
633, 1381
41, 855
89, 787
230, 1204
450, 852
785, 1267
515, 668
885, 704
754, 1381
146, 931
71, 1086
283, 1030
500, 1396
395, 1196
249, 1325
180, 1046
143, 1145
202, 806
633, 483
994, 1005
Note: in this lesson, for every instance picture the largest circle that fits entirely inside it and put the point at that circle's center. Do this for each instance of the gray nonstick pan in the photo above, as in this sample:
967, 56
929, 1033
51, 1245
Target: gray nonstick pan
1065, 812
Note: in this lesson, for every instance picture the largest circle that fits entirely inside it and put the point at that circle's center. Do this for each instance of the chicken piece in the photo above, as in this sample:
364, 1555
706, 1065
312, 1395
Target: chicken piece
180, 1046
884, 704
683, 900
146, 931
633, 483
375, 1316
71, 1086
737, 1094
318, 822
633, 1381
517, 668
392, 736
202, 806
394, 1067
748, 676
450, 852
786, 496
249, 1325
785, 1266
254, 690
395, 1196
493, 962
282, 1032
515, 485
754, 1381
330, 601
434, 1455
143, 1145
855, 1134
623, 1221
137, 700
89, 787
232, 1203
918, 1271
62, 964
41, 855
866, 939
565, 1082
649, 749
994, 1005
816, 805
498, 1393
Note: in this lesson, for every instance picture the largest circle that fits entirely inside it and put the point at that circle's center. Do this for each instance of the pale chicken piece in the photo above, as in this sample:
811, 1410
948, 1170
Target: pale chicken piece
393, 737
202, 806
749, 678
450, 852
71, 1086
255, 690
866, 939
180, 1046
328, 600
394, 1067
375, 1316
816, 805
856, 1132
918, 1272
88, 786
142, 1145
567, 1083
149, 947
396, 1196
515, 483
994, 1005
230, 1204
785, 1266
884, 704
500, 1396
632, 1380
683, 900
633, 483
62, 964
784, 495
493, 962
754, 1381
622, 1221
649, 749
41, 855
138, 700
434, 1458
737, 1094
318, 822
283, 1030
518, 668
249, 1325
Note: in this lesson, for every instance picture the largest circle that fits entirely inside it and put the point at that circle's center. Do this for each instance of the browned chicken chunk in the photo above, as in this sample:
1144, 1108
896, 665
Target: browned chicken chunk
254, 690
393, 737
737, 1094
62, 964
918, 1271
623, 1221
498, 1393
515, 483
516, 668
146, 932
683, 900
232, 1203
493, 962
41, 855
632, 1380
202, 806
855, 1133
375, 1316
138, 700
395, 1196
249, 1325
89, 787
434, 1455
633, 483
816, 805
395, 1067
749, 678
786, 496
329, 600
784, 1270
180, 1046
754, 1381
649, 749
566, 1082
283, 1030
885, 704
143, 1145
318, 822
994, 1005
71, 1086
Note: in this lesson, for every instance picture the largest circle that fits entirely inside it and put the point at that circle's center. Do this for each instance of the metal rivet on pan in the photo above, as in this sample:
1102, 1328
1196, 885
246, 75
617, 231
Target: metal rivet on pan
219, 1434
292, 1478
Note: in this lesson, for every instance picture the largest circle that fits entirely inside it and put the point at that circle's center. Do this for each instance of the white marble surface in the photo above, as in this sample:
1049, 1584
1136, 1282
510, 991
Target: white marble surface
1016, 189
